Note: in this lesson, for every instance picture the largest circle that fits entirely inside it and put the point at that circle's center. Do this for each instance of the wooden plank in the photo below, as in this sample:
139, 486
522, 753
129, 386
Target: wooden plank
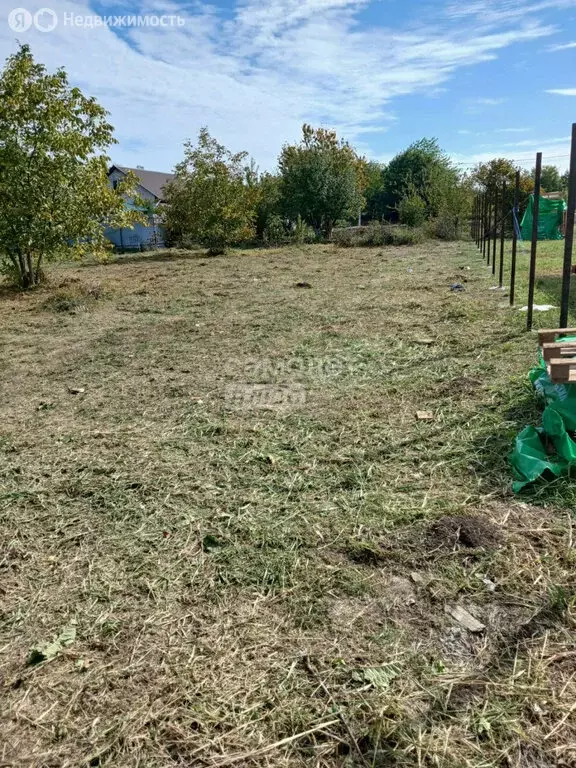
563, 363
549, 335
562, 370
558, 349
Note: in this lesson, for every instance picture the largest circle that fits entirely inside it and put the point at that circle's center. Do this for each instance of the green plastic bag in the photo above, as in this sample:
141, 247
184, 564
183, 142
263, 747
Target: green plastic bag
530, 461
530, 458
549, 219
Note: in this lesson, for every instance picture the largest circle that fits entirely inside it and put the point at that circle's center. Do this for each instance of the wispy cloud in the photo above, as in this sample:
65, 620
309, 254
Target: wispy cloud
513, 130
254, 73
562, 91
556, 152
561, 47
488, 12
478, 105
542, 143
488, 102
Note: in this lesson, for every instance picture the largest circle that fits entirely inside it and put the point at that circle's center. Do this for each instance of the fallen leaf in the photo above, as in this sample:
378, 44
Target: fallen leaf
379, 677
49, 651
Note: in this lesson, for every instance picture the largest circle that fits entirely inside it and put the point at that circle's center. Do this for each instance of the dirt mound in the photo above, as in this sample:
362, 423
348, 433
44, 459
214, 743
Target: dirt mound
464, 531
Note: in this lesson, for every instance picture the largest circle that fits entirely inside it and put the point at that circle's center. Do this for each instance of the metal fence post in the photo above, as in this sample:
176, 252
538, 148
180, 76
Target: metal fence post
502, 236
488, 225
534, 245
569, 234
495, 233
514, 239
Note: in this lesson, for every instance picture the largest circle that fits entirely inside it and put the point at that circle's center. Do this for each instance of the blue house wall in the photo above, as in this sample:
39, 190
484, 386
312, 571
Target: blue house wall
136, 237
140, 235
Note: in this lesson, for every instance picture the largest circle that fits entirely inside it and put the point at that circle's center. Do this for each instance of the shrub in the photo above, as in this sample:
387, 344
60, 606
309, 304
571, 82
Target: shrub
376, 234
405, 235
303, 233
412, 210
444, 227
275, 231
344, 238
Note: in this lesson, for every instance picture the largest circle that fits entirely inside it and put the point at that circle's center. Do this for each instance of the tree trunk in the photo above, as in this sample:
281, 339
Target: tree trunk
22, 269
29, 270
37, 270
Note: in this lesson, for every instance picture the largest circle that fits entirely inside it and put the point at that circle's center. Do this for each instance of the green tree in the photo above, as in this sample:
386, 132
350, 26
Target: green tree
321, 179
269, 202
491, 175
551, 181
212, 198
54, 188
372, 188
152, 211
412, 210
423, 170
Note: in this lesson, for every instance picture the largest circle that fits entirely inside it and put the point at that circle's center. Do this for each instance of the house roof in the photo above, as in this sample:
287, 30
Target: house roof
153, 181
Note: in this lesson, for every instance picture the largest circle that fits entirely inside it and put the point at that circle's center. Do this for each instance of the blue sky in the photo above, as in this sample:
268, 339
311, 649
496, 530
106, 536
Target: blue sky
486, 77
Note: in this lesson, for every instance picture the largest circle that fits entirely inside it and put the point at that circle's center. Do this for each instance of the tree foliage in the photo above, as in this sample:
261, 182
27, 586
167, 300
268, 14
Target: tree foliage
53, 183
212, 198
269, 203
373, 187
412, 210
550, 180
423, 170
492, 174
321, 179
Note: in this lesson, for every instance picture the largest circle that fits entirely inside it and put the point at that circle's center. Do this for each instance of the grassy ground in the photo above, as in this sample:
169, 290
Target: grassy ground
218, 505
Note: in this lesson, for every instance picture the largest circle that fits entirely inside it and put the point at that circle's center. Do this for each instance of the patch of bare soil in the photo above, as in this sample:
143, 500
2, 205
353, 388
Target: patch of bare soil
464, 531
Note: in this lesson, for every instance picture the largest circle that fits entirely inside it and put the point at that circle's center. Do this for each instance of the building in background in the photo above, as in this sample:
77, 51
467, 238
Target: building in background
151, 190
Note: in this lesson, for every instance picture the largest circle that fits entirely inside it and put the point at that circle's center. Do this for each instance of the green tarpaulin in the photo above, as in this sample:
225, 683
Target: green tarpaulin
549, 450
549, 219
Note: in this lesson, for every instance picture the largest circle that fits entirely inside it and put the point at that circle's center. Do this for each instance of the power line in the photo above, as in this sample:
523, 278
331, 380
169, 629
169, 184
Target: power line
520, 160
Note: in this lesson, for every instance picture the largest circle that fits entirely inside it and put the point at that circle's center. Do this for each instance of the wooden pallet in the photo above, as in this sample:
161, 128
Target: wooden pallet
559, 355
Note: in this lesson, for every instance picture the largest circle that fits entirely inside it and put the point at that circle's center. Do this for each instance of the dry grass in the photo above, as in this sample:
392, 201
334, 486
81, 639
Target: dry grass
219, 477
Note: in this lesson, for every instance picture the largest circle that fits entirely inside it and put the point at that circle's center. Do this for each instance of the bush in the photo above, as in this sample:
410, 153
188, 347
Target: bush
444, 227
275, 231
412, 211
303, 233
376, 234
406, 236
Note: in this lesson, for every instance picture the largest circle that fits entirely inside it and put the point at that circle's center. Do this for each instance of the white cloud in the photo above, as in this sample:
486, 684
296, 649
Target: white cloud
556, 151
254, 75
513, 130
562, 47
490, 12
563, 91
488, 102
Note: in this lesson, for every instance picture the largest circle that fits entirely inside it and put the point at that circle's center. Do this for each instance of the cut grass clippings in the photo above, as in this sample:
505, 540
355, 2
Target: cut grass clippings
220, 481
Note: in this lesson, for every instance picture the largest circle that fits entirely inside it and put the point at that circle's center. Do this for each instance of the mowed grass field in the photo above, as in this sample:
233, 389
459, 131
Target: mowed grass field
245, 497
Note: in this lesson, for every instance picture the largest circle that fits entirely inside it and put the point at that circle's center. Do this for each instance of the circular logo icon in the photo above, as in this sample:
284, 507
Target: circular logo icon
45, 20
20, 20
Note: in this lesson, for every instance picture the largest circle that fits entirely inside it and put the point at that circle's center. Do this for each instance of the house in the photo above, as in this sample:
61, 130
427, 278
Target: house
151, 187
